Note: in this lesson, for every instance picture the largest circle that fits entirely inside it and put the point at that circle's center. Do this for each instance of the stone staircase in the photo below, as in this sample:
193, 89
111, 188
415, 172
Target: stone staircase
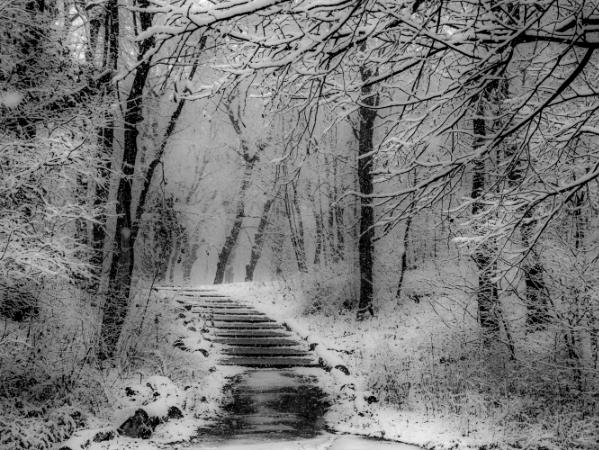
276, 393
249, 337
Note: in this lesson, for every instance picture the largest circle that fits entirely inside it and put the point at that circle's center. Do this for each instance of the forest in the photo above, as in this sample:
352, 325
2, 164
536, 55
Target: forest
413, 184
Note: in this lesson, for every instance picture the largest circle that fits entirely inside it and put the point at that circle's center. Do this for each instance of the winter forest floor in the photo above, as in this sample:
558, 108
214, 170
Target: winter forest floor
417, 374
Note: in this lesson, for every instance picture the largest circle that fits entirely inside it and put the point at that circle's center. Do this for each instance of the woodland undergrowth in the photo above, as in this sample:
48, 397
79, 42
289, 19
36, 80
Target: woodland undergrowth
52, 382
425, 354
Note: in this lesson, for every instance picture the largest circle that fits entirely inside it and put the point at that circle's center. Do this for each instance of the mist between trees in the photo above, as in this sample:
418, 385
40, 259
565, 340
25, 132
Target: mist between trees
350, 142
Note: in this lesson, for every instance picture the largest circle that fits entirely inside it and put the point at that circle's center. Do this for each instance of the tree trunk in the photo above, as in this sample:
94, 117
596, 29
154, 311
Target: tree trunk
488, 294
105, 143
319, 237
296, 229
365, 162
537, 303
301, 245
231, 239
536, 292
174, 258
27, 68
248, 160
191, 256
578, 293
339, 211
318, 225
406, 242
329, 233
230, 242
259, 240
121, 268
404, 257
278, 238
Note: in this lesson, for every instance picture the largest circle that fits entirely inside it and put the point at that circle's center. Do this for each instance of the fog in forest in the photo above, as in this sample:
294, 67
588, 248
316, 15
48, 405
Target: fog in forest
299, 224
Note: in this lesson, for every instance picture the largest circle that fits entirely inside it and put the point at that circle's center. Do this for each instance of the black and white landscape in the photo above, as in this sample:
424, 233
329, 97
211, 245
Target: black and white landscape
299, 224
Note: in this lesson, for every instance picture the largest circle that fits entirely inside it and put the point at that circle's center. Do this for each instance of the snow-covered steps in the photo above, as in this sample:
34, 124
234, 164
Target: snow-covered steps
268, 361
250, 338
250, 333
206, 295
223, 306
235, 311
253, 342
247, 325
240, 318
264, 351
275, 395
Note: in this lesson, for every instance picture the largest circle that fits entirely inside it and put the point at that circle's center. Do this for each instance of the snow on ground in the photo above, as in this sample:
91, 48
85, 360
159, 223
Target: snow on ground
177, 369
325, 442
394, 344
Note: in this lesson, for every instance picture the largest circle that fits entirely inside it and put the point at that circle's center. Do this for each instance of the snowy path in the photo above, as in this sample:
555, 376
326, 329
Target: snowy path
274, 398
275, 394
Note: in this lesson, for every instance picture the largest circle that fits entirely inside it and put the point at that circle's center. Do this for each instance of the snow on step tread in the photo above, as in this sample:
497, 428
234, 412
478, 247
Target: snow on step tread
240, 318
202, 295
223, 306
239, 312
250, 333
253, 342
264, 351
268, 362
247, 325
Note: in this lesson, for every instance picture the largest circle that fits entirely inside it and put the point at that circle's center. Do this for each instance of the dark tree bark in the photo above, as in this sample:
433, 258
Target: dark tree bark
328, 225
105, 142
339, 212
404, 256
231, 239
318, 250
31, 32
572, 336
537, 294
175, 256
277, 242
259, 239
170, 128
365, 161
488, 294
301, 245
406, 243
121, 267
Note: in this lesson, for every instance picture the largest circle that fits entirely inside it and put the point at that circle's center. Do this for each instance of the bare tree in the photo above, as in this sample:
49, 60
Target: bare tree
249, 159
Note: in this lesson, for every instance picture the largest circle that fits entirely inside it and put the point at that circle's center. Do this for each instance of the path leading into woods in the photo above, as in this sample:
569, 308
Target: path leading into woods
275, 397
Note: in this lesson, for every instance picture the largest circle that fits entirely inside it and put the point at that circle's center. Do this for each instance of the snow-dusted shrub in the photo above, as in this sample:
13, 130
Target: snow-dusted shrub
572, 276
160, 237
328, 292
165, 369
47, 356
152, 334
45, 368
24, 426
